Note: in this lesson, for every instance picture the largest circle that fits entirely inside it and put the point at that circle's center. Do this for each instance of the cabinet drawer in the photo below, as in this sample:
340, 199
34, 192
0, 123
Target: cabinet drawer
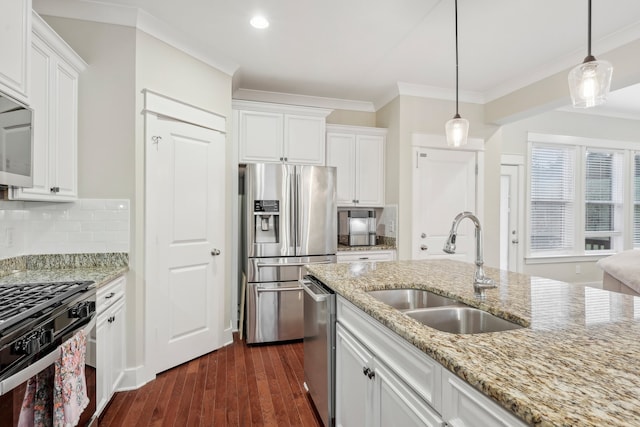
108, 294
421, 373
358, 256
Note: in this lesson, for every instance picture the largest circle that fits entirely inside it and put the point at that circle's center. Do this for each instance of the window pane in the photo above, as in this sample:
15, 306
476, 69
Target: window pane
552, 195
599, 217
603, 198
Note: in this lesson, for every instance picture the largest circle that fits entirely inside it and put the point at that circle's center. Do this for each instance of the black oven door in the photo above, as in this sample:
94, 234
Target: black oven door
13, 389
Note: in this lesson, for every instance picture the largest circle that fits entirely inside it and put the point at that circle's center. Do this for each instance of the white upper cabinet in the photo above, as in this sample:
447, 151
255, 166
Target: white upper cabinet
279, 133
15, 43
54, 98
358, 154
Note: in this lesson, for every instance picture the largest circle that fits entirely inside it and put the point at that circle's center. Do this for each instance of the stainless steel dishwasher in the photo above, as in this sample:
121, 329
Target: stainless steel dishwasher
320, 347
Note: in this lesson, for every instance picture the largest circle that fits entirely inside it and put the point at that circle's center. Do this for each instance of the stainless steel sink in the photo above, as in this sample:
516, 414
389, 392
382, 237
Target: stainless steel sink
461, 320
409, 299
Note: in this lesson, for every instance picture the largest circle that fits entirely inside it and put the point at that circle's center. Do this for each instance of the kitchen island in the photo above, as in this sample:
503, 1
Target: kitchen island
576, 362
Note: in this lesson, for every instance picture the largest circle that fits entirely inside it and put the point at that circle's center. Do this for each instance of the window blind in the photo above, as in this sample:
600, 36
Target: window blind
603, 199
636, 201
552, 198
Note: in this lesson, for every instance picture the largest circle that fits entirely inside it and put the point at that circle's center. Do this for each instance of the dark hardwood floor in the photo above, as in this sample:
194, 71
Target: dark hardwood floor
237, 385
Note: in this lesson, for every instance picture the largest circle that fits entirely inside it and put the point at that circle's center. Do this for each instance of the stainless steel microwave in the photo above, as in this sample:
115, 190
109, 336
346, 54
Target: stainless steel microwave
16, 143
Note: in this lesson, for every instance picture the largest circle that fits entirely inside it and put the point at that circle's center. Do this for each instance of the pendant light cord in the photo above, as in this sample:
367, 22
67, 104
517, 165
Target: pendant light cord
456, 20
589, 29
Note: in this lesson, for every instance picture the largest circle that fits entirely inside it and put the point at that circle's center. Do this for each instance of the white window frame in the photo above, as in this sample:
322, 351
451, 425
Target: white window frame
628, 149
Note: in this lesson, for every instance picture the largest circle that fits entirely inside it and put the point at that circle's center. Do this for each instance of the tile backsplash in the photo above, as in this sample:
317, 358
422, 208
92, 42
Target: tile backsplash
84, 226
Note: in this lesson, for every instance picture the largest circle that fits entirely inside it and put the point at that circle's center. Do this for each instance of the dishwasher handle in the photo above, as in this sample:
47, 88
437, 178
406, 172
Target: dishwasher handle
321, 296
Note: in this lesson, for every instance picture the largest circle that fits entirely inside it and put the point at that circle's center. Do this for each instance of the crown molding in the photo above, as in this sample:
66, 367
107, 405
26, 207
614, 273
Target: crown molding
306, 100
424, 91
128, 16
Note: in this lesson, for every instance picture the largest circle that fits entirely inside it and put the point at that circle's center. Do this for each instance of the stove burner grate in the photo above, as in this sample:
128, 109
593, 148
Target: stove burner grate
19, 301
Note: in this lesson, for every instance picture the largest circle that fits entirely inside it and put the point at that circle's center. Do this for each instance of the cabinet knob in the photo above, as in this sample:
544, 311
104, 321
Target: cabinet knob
365, 371
424, 247
215, 252
55, 189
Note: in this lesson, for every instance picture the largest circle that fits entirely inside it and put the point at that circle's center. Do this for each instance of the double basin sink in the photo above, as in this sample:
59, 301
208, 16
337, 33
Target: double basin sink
442, 313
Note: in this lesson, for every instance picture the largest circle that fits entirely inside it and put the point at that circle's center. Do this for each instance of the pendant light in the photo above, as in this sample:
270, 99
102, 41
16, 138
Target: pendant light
589, 82
457, 128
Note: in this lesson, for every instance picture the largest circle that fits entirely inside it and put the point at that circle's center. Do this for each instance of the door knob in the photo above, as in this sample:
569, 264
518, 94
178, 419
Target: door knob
424, 247
515, 241
215, 252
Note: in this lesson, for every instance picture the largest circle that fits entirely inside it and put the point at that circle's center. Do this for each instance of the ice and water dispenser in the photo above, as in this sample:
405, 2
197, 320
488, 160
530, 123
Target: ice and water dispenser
266, 221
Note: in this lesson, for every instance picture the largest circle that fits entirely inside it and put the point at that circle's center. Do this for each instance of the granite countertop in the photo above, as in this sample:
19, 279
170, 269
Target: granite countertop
99, 268
380, 247
576, 362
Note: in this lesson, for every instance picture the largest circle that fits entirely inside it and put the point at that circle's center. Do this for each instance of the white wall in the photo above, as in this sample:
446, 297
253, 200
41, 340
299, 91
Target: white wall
513, 140
123, 61
85, 226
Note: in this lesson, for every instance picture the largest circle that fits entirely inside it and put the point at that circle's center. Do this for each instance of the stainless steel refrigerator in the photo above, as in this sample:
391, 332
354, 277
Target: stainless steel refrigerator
290, 220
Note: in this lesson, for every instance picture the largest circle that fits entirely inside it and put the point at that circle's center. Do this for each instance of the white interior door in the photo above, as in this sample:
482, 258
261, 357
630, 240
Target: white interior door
509, 213
444, 184
188, 165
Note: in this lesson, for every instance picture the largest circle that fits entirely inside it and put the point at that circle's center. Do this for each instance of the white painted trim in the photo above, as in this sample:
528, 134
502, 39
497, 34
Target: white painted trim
137, 18
433, 92
440, 142
306, 100
356, 129
169, 107
135, 378
512, 159
608, 144
43, 31
279, 108
564, 259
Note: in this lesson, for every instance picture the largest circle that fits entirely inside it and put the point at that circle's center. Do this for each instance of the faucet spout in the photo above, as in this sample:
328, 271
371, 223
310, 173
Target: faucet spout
480, 280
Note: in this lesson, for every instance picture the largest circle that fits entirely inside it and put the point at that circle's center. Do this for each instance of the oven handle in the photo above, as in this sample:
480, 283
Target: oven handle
20, 377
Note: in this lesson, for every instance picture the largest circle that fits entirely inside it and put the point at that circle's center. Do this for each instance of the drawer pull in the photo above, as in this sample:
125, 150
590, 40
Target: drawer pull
111, 295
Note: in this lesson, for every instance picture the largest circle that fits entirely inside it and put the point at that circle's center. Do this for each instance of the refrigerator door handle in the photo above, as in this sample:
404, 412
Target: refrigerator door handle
290, 264
298, 210
293, 200
260, 289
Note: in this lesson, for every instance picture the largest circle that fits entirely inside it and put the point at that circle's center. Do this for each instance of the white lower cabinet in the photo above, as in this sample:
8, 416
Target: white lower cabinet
110, 340
381, 380
359, 256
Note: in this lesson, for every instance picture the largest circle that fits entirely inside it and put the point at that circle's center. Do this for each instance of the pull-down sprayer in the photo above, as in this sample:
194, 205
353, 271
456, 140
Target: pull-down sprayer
480, 281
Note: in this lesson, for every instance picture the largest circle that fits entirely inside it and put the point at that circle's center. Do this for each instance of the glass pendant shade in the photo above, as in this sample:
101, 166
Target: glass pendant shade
457, 130
589, 83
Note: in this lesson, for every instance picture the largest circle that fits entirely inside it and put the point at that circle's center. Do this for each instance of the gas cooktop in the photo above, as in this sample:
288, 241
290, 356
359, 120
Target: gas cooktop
21, 301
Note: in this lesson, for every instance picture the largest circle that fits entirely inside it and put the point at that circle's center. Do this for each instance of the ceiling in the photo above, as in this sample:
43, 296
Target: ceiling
363, 50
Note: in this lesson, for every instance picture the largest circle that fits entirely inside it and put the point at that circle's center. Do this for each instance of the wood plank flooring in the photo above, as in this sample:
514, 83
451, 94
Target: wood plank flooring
237, 385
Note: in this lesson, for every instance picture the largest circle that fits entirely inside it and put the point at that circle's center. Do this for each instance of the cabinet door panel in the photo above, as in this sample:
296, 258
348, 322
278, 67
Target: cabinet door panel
41, 103
304, 140
370, 170
260, 136
400, 406
341, 153
65, 156
353, 388
15, 30
117, 332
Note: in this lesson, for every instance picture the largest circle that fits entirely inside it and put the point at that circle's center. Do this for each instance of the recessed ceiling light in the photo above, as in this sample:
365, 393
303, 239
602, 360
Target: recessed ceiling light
259, 22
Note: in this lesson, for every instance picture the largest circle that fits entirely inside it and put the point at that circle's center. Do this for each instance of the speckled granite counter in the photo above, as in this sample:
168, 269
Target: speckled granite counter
381, 247
100, 268
577, 363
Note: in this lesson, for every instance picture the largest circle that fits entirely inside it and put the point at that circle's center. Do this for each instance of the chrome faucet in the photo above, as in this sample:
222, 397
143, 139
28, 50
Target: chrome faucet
480, 280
